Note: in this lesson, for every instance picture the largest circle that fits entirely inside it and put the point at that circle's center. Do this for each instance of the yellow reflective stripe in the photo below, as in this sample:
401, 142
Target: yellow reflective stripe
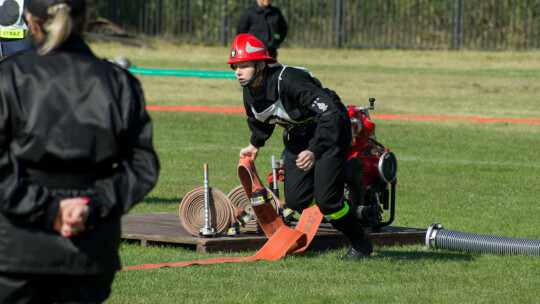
312, 203
337, 215
14, 34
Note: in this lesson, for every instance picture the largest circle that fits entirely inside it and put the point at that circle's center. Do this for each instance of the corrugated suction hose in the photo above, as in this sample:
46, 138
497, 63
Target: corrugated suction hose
439, 238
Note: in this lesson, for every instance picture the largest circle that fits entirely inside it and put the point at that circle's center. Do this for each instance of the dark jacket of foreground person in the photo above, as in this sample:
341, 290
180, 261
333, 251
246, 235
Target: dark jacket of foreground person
71, 125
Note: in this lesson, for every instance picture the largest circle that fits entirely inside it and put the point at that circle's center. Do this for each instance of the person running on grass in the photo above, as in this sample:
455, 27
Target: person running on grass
318, 135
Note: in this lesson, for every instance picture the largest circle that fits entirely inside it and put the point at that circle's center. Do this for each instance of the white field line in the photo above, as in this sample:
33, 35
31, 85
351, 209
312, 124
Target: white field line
491, 163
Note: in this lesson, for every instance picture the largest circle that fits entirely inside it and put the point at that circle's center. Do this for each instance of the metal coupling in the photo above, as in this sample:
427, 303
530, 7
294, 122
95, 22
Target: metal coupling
234, 229
261, 197
244, 218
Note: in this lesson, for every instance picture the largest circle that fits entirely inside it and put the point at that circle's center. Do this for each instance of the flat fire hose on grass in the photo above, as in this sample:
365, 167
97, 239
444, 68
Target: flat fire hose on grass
282, 240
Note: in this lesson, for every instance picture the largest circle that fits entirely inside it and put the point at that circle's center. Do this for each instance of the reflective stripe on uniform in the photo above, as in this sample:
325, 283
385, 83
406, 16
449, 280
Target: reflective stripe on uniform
337, 215
12, 34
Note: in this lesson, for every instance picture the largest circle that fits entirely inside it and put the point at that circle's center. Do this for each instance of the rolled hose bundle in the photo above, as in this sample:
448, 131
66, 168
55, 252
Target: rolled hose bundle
191, 211
439, 238
239, 198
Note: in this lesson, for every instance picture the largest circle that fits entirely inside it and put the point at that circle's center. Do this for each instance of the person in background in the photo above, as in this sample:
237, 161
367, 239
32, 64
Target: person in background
76, 154
265, 22
318, 135
13, 30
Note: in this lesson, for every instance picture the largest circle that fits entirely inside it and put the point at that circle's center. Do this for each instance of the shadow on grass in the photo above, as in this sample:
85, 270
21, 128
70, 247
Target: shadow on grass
162, 200
160, 245
423, 255
400, 255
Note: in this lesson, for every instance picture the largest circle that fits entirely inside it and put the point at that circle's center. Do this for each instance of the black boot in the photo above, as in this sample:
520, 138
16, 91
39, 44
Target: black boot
359, 248
360, 244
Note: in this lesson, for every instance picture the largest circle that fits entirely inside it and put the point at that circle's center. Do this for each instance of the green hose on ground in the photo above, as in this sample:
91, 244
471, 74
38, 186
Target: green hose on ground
181, 73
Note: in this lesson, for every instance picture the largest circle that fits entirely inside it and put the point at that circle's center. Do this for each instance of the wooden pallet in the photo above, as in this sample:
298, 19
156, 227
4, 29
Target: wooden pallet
165, 227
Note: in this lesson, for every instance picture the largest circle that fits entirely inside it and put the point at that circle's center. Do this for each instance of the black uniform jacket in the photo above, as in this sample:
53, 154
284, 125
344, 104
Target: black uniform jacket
71, 125
263, 23
301, 103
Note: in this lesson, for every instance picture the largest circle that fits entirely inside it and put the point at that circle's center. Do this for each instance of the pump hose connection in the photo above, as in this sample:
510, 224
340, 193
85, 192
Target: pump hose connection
439, 238
238, 197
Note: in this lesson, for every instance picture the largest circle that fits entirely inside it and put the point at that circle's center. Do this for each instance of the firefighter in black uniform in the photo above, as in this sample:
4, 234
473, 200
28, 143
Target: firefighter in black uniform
266, 22
75, 155
318, 135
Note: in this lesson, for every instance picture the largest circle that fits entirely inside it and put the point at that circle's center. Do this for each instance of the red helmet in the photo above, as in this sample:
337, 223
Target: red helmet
246, 47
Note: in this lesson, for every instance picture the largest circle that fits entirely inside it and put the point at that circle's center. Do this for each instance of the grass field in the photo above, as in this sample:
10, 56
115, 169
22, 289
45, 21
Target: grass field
469, 176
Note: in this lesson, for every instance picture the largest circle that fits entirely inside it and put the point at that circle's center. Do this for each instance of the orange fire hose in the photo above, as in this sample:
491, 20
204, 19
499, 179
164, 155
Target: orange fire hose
239, 198
282, 239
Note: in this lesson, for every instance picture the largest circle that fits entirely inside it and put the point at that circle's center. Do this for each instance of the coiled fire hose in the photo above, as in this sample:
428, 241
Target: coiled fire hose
439, 238
208, 212
282, 239
224, 211
191, 211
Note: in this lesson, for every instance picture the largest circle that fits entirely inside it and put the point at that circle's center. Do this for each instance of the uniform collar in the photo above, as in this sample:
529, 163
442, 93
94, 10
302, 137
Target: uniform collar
74, 43
270, 83
272, 74
259, 9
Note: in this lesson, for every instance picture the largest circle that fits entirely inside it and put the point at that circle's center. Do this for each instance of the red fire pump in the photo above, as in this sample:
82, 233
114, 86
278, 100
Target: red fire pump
371, 171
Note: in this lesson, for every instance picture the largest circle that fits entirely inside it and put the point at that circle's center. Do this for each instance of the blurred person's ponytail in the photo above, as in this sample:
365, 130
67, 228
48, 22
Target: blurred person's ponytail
57, 29
57, 21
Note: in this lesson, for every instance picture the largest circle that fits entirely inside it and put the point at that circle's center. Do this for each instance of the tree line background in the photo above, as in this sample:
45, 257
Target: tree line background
432, 24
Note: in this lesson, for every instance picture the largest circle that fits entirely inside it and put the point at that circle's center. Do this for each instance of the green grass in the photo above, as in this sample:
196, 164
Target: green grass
472, 177
465, 83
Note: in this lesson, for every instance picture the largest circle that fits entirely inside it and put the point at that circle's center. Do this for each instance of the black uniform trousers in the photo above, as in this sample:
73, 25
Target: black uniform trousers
325, 181
272, 52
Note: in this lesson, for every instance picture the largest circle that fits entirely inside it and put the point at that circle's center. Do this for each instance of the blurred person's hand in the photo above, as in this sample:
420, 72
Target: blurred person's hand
72, 216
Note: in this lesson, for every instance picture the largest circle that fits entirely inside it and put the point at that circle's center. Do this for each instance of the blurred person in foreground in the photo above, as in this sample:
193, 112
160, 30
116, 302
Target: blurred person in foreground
75, 155
318, 135
266, 22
